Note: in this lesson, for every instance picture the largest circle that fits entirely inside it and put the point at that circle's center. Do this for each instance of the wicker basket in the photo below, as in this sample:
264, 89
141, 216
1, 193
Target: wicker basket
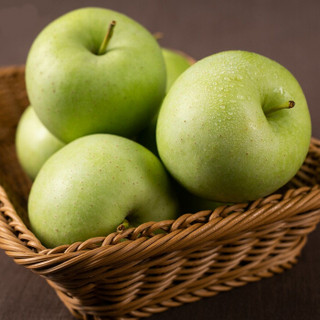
198, 255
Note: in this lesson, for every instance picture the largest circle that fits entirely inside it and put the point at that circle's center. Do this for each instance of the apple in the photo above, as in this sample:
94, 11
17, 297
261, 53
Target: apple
94, 70
34, 143
94, 184
176, 63
226, 130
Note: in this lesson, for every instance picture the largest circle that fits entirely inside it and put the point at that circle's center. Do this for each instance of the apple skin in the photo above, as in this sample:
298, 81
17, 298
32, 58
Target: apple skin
213, 134
34, 143
176, 63
76, 92
90, 186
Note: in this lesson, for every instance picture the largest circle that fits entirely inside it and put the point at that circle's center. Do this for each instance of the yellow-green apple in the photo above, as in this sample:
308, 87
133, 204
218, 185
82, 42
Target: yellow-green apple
90, 186
176, 62
227, 130
94, 70
34, 143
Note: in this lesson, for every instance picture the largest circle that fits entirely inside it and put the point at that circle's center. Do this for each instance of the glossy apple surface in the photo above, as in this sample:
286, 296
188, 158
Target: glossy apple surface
76, 91
91, 185
34, 143
222, 132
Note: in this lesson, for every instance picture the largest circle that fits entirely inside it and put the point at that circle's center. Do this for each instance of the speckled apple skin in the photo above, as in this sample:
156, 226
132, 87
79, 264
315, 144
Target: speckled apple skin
214, 134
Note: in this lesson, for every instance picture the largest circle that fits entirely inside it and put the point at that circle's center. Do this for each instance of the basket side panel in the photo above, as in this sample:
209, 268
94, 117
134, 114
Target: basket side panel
140, 288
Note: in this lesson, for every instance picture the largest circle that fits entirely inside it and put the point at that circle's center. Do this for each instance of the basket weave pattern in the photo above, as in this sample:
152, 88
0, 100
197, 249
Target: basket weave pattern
198, 255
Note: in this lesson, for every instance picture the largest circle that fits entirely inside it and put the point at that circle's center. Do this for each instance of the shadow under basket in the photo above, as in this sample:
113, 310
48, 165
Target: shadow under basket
198, 255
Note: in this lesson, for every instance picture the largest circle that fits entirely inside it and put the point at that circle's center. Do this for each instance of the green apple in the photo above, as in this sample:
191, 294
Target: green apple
176, 63
34, 143
85, 75
90, 186
226, 131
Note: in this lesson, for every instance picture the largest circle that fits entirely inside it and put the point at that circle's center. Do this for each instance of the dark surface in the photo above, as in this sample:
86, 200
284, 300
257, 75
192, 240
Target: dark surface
286, 31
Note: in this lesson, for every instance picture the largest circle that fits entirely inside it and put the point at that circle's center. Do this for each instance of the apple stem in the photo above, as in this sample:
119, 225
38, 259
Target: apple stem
158, 35
104, 44
287, 105
124, 225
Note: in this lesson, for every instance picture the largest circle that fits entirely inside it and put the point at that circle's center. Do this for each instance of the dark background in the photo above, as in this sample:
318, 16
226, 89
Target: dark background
287, 31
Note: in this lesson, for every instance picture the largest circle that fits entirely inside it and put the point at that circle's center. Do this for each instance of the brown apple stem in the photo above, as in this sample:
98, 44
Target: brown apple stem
287, 105
104, 44
158, 35
123, 226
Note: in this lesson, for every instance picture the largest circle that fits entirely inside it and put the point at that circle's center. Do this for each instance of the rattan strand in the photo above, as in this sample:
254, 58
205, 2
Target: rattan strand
197, 256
